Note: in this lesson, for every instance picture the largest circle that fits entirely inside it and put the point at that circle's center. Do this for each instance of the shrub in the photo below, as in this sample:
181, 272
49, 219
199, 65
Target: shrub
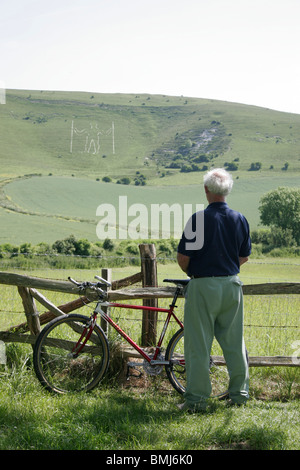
232, 166
255, 166
108, 244
83, 247
281, 208
124, 180
66, 246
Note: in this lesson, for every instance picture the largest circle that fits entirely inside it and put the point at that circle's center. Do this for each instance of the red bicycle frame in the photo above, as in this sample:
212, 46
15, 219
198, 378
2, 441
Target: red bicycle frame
169, 311
87, 331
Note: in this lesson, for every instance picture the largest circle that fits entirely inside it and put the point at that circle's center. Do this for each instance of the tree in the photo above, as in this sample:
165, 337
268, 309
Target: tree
83, 247
124, 180
281, 208
108, 244
66, 246
255, 166
231, 166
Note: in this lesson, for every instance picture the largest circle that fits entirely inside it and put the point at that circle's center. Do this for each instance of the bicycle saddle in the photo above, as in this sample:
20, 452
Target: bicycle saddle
181, 282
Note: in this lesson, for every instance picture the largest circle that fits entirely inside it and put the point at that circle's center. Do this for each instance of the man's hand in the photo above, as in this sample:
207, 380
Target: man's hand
243, 260
183, 262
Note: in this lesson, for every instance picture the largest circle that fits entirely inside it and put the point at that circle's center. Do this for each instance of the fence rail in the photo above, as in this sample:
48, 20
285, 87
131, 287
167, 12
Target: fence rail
117, 293
149, 292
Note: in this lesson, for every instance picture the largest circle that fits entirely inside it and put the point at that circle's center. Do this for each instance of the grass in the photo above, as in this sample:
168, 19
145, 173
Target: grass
136, 419
36, 127
141, 414
49, 208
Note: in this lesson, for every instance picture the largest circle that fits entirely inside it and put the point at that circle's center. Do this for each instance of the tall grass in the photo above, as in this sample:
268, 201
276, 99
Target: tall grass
141, 413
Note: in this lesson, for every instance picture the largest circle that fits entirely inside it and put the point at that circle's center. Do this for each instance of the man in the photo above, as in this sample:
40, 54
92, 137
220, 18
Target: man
214, 298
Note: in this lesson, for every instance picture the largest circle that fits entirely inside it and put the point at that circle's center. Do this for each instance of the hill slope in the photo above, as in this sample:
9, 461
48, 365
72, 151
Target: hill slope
165, 142
116, 135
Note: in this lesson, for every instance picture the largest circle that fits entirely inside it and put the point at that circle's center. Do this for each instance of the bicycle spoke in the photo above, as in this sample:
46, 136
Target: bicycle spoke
177, 374
61, 370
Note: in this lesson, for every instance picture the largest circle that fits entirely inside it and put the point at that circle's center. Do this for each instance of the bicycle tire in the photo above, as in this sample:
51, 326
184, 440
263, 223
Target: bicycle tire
60, 371
176, 369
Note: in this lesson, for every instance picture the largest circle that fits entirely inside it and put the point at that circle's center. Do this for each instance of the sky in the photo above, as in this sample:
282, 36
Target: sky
244, 51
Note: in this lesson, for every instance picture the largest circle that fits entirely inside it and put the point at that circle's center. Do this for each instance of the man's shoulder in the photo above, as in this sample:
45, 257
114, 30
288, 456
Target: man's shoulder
239, 219
235, 213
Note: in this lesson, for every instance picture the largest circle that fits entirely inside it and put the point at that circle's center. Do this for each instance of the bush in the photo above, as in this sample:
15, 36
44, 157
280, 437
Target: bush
132, 248
83, 247
280, 237
9, 249
232, 166
26, 249
281, 208
66, 246
139, 180
108, 244
273, 238
124, 180
255, 166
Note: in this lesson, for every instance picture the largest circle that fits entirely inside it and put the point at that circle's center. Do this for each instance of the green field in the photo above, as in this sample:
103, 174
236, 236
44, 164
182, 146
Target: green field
56, 133
261, 312
49, 208
141, 414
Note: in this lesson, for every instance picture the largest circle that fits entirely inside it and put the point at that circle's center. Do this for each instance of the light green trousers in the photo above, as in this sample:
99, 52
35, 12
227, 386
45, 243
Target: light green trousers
214, 307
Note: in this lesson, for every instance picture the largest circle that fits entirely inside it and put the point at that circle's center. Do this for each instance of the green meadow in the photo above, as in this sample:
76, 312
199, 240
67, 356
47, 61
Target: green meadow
48, 208
141, 413
74, 140
56, 132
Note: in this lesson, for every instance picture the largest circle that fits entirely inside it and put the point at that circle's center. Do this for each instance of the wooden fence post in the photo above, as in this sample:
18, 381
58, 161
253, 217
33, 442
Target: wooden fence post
149, 279
105, 274
31, 311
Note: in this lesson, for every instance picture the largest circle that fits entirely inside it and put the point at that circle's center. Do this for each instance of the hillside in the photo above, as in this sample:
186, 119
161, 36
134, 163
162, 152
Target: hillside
157, 142
94, 135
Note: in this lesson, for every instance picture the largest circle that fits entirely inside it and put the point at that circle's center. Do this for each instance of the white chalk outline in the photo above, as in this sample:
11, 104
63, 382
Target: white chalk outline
92, 139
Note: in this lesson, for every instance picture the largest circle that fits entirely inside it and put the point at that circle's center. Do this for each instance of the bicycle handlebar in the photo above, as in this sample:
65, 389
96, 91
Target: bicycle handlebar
92, 285
103, 280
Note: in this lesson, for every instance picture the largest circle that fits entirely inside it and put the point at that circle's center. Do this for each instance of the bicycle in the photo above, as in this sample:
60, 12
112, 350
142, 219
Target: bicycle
71, 354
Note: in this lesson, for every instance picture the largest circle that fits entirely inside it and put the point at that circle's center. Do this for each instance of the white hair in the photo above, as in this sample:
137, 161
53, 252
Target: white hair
218, 181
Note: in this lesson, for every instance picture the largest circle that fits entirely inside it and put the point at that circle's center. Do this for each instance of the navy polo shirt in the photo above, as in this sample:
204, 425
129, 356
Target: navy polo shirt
226, 238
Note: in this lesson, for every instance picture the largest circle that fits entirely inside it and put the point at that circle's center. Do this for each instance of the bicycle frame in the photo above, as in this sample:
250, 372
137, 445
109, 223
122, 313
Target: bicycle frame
170, 313
86, 334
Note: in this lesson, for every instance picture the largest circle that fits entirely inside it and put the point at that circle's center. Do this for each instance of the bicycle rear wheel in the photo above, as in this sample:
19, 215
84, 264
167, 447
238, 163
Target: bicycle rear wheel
58, 368
177, 374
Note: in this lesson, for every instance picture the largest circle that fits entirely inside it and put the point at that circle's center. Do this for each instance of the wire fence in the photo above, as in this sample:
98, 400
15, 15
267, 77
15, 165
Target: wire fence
271, 321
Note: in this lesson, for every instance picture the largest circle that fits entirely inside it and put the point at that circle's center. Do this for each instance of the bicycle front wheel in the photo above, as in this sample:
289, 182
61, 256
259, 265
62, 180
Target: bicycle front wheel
177, 374
58, 368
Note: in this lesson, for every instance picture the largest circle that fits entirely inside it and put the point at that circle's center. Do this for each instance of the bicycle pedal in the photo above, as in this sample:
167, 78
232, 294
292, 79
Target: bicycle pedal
133, 365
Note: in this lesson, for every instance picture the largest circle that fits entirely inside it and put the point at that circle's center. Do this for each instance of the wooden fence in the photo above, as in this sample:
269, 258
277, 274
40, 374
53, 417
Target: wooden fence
149, 292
